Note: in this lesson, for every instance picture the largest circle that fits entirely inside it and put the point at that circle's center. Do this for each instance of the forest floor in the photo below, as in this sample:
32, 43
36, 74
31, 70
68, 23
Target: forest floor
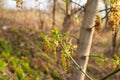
26, 52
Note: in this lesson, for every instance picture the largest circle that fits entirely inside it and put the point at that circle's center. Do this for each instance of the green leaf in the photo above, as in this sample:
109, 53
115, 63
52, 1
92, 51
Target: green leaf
37, 78
5, 46
42, 35
2, 65
55, 31
116, 59
112, 1
56, 76
65, 1
20, 74
26, 66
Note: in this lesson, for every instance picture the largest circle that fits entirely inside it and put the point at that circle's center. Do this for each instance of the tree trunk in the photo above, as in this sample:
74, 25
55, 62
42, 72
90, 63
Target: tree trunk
115, 42
1, 3
53, 13
106, 3
66, 24
85, 39
67, 19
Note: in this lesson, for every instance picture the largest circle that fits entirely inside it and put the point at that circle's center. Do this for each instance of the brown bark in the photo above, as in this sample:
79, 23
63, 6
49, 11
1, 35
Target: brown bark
68, 16
54, 9
85, 39
106, 2
66, 24
115, 42
67, 19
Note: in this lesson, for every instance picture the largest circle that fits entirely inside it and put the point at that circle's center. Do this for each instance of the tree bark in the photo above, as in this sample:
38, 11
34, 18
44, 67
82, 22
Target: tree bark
115, 42
107, 4
1, 3
67, 19
85, 39
53, 13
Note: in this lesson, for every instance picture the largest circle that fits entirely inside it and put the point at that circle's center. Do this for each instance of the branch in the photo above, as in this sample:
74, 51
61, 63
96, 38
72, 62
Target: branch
106, 14
79, 68
84, 7
110, 74
74, 37
77, 65
77, 4
77, 10
104, 10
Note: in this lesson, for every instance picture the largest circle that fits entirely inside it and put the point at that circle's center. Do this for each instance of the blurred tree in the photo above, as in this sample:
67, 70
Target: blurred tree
69, 14
54, 10
1, 3
114, 22
67, 18
107, 10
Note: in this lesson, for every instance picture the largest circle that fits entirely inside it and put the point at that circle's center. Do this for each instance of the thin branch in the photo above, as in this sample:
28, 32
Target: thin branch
53, 13
78, 66
106, 14
98, 57
110, 74
84, 7
73, 37
77, 4
104, 10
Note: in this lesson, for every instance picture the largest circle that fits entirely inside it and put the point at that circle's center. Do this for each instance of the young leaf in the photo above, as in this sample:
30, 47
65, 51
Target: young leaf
20, 74
65, 1
2, 65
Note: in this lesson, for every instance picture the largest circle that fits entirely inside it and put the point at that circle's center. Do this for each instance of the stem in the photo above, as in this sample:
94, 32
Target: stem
104, 9
77, 4
77, 65
110, 74
53, 13
106, 15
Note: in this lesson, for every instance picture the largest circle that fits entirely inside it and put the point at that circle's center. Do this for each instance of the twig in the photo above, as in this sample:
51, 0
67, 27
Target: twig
78, 66
84, 7
72, 36
77, 4
106, 14
110, 74
98, 57
104, 10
